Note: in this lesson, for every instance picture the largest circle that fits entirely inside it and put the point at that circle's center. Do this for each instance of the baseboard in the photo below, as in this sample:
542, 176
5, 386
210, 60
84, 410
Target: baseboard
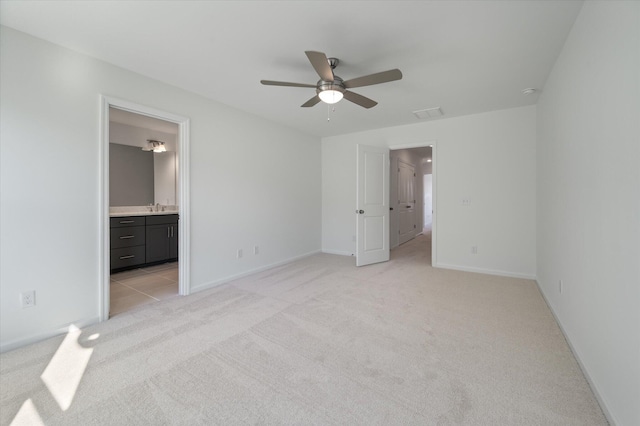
229, 278
18, 343
338, 252
485, 271
592, 385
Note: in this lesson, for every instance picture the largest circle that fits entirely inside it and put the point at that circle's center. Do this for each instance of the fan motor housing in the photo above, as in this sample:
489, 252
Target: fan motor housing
337, 84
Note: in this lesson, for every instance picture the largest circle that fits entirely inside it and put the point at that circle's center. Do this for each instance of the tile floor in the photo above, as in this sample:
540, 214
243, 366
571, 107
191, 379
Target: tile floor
137, 287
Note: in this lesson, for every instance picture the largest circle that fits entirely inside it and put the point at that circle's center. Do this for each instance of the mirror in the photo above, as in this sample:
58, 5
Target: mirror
138, 177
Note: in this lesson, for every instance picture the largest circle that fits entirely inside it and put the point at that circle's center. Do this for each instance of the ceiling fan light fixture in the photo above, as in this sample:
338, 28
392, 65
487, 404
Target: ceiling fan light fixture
330, 96
330, 89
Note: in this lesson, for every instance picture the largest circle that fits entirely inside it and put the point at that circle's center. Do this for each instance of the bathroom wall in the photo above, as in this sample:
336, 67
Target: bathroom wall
165, 164
165, 184
125, 134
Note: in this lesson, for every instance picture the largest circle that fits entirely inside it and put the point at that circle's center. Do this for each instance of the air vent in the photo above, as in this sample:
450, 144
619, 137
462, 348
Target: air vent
423, 114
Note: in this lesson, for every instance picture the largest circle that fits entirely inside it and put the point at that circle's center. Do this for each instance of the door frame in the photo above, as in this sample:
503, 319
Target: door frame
184, 285
434, 191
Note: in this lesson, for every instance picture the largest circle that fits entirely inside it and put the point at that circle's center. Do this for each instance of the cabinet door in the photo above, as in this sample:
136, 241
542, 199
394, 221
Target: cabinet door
158, 237
173, 242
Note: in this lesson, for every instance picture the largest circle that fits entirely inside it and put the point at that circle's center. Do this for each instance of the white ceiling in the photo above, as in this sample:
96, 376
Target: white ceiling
463, 56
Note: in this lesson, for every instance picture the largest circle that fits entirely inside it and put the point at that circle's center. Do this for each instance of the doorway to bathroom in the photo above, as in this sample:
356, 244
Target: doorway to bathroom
143, 211
145, 206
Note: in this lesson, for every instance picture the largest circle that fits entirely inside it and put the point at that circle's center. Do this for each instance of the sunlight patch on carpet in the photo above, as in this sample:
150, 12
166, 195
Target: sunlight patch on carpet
27, 415
65, 370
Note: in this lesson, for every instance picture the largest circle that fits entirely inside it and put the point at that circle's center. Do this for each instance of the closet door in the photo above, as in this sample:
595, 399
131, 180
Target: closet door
406, 201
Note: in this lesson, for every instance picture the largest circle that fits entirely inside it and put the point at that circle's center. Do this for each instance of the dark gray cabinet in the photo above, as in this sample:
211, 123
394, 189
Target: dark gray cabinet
142, 240
128, 242
162, 238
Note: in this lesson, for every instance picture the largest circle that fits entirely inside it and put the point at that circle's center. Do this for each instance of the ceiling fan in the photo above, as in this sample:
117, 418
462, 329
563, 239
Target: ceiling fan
331, 88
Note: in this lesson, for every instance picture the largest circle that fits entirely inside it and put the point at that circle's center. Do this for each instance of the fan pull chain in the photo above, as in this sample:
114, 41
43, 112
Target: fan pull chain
330, 109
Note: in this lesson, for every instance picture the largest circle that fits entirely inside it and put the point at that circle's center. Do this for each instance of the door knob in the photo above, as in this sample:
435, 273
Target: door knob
359, 211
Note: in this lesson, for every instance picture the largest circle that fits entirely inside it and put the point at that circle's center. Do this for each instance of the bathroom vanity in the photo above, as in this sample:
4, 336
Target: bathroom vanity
143, 239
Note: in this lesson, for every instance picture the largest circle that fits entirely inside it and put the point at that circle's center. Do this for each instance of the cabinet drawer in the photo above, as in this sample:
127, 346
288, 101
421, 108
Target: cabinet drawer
162, 219
127, 237
128, 256
117, 222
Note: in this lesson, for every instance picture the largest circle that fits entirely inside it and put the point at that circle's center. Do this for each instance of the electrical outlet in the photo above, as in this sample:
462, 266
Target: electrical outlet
560, 283
256, 250
474, 249
28, 299
466, 202
239, 254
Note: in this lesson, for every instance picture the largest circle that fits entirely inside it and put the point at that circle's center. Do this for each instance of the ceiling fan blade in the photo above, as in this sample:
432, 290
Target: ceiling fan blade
377, 78
320, 63
311, 102
285, 83
359, 99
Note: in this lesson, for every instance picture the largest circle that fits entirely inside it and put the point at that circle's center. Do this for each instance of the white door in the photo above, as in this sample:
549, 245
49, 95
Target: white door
372, 207
406, 202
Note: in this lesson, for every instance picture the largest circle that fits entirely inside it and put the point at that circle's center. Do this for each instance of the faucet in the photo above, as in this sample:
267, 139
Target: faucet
157, 207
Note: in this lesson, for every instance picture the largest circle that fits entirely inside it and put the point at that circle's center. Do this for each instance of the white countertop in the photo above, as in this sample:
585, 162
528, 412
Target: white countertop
121, 211
147, 213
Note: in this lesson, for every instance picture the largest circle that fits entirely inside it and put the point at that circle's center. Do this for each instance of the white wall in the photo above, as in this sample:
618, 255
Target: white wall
252, 182
488, 158
589, 199
165, 166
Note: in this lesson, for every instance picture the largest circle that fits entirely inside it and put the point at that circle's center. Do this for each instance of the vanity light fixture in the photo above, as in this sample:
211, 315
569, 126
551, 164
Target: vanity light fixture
155, 146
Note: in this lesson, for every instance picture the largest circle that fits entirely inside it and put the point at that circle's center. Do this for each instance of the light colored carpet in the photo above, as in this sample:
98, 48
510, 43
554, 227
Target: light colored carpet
318, 341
